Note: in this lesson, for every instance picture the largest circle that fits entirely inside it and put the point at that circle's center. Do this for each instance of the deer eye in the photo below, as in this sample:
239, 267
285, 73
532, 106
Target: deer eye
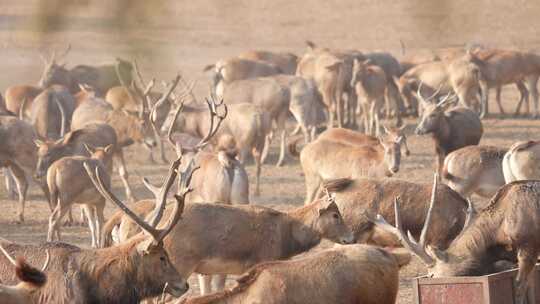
335, 216
162, 258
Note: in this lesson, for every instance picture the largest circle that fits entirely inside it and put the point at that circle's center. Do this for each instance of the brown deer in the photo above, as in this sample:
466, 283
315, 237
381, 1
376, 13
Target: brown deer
101, 77
21, 95
128, 273
286, 62
230, 70
325, 159
357, 196
51, 112
18, 153
370, 84
31, 280
450, 129
521, 161
341, 275
68, 185
475, 169
347, 136
509, 222
215, 248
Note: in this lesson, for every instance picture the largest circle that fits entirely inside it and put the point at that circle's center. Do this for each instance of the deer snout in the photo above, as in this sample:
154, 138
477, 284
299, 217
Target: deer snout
348, 239
419, 131
394, 169
177, 289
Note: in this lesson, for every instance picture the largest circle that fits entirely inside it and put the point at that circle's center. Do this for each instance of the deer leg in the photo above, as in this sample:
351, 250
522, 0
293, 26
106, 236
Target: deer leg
54, 220
526, 259
313, 182
532, 82
205, 284
10, 183
523, 97
22, 188
400, 108
218, 282
90, 218
124, 176
257, 157
267, 142
497, 99
283, 139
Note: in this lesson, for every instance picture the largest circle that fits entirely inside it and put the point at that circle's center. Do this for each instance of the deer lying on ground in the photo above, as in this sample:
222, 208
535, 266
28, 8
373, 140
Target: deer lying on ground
286, 62
450, 129
68, 185
128, 273
21, 95
234, 69
357, 196
370, 84
325, 159
218, 248
344, 275
521, 161
347, 136
509, 222
31, 280
475, 169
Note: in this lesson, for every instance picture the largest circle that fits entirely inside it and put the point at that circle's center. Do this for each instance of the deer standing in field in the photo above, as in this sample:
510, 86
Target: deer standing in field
325, 159
450, 129
509, 223
68, 185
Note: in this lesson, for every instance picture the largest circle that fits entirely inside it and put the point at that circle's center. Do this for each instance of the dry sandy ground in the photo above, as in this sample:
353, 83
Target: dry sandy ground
186, 35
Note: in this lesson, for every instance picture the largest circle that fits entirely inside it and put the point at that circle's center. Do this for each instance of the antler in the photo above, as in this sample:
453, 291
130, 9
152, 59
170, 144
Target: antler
408, 241
162, 99
418, 92
14, 262
150, 229
470, 214
213, 107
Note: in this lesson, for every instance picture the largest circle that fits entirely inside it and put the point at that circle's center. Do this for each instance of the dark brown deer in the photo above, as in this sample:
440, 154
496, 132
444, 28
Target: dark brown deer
509, 222
450, 129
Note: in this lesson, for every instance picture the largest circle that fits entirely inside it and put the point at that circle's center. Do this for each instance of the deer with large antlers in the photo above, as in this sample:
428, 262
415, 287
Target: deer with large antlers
451, 128
31, 280
137, 269
507, 227
206, 242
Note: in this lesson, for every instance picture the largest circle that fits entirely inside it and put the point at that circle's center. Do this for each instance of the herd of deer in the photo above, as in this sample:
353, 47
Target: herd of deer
66, 132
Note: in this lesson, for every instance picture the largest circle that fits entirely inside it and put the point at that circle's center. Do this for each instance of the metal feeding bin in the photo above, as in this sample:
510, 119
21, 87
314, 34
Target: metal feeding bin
497, 288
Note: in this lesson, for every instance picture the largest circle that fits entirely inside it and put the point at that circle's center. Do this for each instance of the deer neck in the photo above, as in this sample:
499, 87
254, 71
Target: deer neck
114, 270
304, 236
472, 249
442, 134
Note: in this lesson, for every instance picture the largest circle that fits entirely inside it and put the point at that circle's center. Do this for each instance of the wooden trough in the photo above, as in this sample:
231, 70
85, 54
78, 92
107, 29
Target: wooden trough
497, 288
